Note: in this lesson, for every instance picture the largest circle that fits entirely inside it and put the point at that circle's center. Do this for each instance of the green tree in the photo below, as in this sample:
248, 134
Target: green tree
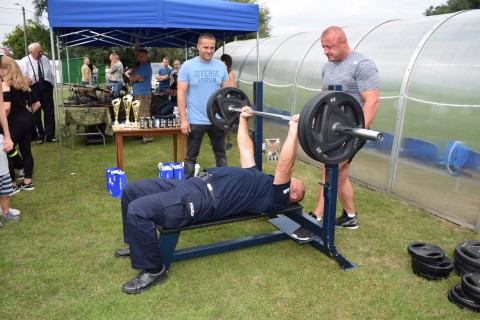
36, 32
265, 17
452, 6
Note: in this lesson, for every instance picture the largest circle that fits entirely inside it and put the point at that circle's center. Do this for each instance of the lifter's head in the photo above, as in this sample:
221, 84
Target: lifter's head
297, 190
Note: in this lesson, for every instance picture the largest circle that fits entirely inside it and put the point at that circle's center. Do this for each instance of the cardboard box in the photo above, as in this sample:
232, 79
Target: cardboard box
178, 171
115, 180
165, 170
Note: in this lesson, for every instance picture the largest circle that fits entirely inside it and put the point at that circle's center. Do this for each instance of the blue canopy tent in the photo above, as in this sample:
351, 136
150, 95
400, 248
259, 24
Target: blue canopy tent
155, 23
148, 23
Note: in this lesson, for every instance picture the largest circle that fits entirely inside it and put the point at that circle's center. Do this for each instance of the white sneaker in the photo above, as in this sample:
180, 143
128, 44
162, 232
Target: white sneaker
15, 212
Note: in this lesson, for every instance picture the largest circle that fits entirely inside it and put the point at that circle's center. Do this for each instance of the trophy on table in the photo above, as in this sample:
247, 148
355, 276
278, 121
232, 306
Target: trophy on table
127, 102
135, 108
116, 108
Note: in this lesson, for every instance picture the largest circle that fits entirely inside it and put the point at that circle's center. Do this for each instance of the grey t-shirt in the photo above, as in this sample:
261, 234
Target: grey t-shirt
356, 73
116, 70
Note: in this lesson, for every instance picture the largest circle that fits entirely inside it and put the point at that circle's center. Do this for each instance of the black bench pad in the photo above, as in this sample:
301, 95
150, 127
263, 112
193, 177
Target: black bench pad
230, 219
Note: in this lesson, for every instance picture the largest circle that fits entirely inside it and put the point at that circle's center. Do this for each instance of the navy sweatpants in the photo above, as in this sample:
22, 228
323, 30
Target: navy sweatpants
167, 202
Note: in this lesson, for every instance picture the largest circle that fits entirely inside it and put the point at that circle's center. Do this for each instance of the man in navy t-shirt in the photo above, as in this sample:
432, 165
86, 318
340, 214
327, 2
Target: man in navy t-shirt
218, 193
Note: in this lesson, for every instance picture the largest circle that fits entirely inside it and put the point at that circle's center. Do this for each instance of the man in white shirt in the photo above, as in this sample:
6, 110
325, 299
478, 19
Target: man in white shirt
38, 74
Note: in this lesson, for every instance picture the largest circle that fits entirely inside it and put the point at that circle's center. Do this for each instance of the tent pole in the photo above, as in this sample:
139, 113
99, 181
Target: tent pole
68, 67
258, 56
52, 43
60, 70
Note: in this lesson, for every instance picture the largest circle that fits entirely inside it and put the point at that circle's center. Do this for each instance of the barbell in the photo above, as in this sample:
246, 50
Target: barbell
331, 127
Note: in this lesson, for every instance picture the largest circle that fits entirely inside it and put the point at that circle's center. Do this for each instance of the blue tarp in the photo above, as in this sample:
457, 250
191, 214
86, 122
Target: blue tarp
155, 23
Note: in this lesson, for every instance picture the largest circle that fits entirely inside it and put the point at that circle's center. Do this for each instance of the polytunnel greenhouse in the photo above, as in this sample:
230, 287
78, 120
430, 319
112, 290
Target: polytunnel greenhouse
429, 71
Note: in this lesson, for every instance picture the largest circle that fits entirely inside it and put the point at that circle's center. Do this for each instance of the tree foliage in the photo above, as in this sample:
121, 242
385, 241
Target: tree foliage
265, 17
36, 32
452, 6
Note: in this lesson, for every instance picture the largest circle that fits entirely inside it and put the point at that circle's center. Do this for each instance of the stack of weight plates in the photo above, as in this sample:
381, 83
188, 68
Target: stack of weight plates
467, 257
467, 294
429, 261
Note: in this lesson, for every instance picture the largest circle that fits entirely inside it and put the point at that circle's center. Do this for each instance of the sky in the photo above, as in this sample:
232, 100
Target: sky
288, 16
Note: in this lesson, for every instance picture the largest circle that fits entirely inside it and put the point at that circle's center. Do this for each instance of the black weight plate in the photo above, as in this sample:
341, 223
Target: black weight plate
457, 296
441, 268
425, 251
303, 126
469, 253
471, 285
317, 122
426, 276
464, 266
459, 270
218, 104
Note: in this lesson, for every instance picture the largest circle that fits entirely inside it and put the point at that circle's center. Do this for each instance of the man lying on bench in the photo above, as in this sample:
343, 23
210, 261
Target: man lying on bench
216, 193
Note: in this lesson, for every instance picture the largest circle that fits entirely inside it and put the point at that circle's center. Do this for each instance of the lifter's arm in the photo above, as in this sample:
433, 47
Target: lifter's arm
286, 161
245, 144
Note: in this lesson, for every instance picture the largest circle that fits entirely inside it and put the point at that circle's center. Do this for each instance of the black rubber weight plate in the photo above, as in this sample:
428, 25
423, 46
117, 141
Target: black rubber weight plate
469, 253
457, 296
471, 285
440, 269
464, 266
425, 251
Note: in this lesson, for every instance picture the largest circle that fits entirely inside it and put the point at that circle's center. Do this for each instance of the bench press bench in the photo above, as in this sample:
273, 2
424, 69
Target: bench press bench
287, 221
168, 238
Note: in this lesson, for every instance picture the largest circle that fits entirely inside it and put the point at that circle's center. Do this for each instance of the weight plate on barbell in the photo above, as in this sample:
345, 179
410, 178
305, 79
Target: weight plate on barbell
218, 104
316, 127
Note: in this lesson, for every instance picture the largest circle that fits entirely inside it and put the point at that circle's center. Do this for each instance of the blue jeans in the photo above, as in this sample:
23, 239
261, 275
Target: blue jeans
194, 141
117, 85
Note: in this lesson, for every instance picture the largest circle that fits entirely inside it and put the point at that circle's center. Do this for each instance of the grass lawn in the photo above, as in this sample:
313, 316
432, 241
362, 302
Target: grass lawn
57, 263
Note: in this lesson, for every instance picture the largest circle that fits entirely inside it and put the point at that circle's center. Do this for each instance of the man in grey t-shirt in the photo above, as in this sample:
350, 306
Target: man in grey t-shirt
356, 75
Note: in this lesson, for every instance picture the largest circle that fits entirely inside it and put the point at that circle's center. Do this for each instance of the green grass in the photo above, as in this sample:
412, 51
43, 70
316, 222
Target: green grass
57, 263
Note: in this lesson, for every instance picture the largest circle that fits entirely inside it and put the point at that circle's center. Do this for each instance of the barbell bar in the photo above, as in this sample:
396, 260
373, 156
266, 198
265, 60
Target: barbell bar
331, 126
337, 128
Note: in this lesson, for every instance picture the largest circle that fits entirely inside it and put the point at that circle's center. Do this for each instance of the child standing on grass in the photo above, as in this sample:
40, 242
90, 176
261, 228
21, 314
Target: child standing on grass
6, 144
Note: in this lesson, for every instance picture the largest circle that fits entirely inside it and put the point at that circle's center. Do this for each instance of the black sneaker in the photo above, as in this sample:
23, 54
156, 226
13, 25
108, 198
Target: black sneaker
26, 186
16, 189
229, 146
302, 234
39, 140
344, 221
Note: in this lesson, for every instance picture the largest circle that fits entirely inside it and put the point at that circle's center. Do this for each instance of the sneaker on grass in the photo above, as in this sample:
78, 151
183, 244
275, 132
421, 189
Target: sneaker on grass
1, 224
344, 221
16, 189
15, 212
10, 217
26, 186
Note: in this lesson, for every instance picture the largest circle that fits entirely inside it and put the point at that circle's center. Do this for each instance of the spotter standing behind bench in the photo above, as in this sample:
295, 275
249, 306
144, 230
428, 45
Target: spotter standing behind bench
220, 192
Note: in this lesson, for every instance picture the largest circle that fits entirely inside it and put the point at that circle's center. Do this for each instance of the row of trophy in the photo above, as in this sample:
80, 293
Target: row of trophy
128, 104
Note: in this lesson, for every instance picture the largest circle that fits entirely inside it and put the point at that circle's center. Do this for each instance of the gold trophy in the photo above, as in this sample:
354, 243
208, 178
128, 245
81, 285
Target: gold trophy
116, 109
135, 108
127, 102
